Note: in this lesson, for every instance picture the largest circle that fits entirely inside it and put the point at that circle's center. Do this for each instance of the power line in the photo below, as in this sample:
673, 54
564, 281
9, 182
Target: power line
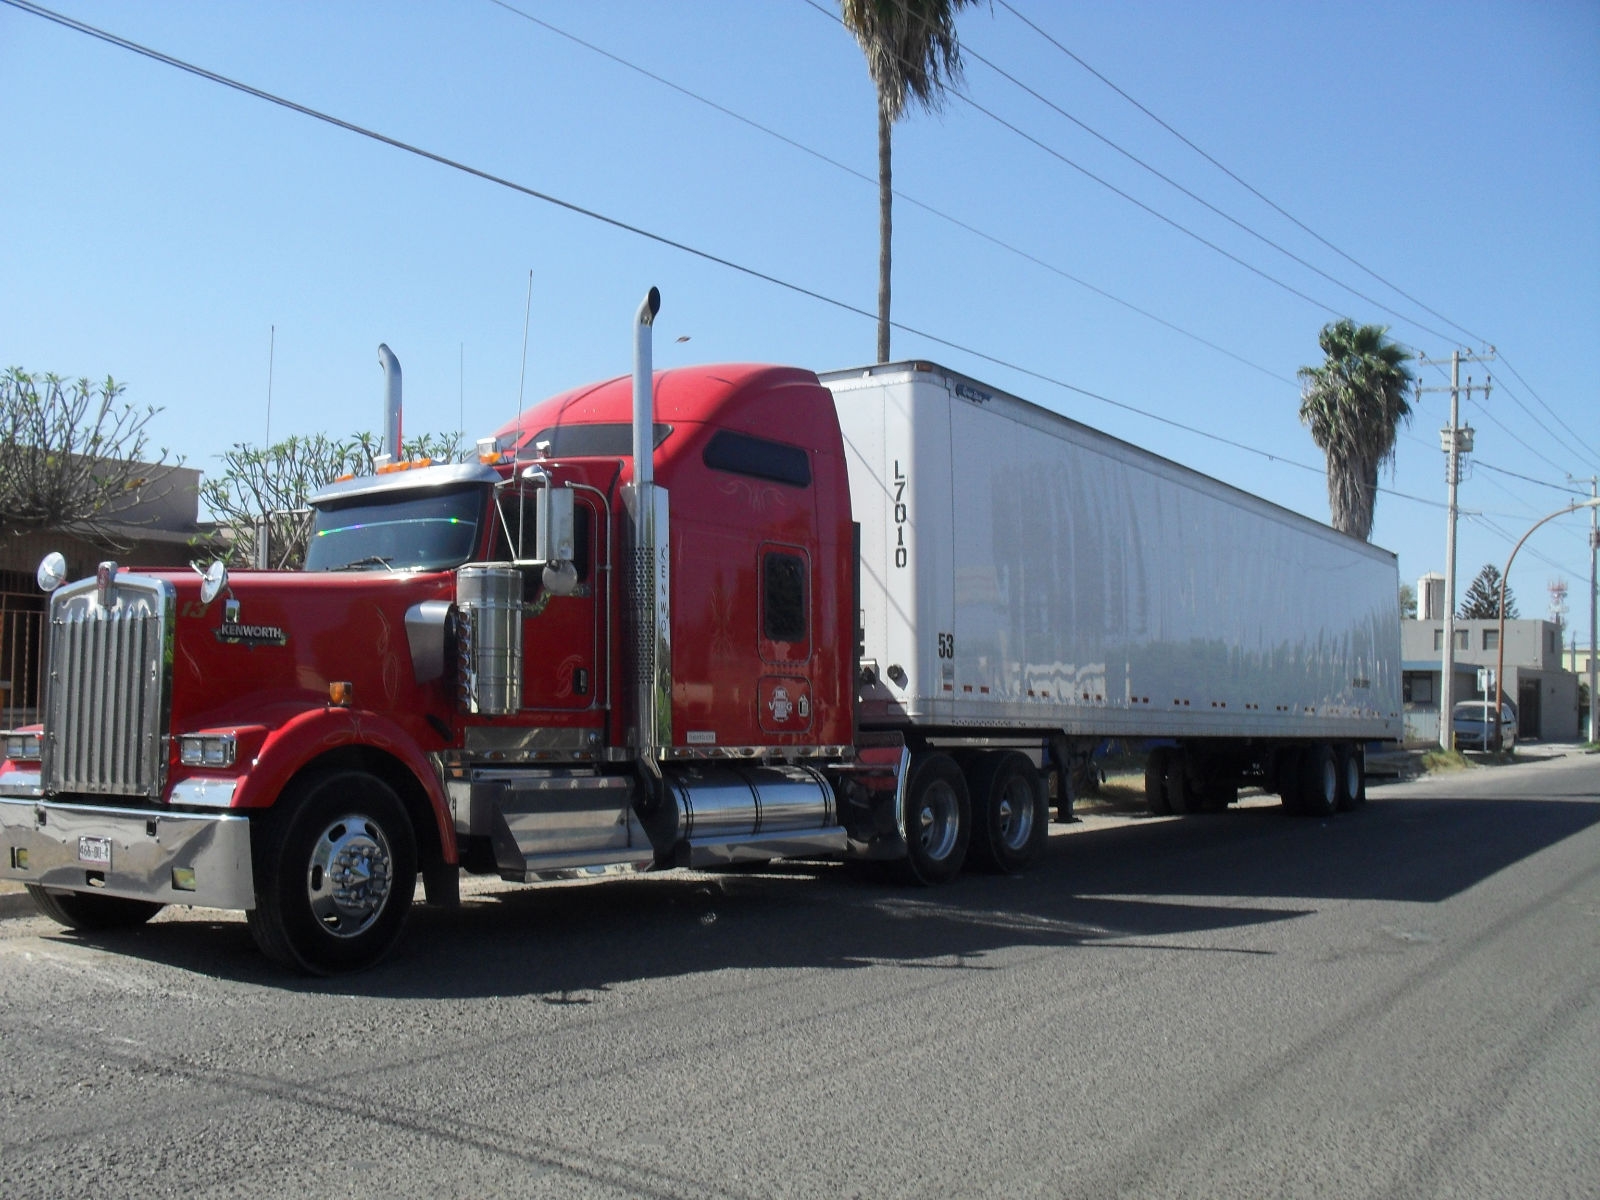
751, 272
1111, 187
615, 223
1236, 178
1198, 199
734, 115
1483, 411
1278, 209
1588, 449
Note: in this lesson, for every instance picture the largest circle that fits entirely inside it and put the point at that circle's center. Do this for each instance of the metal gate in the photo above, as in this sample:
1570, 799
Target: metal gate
22, 617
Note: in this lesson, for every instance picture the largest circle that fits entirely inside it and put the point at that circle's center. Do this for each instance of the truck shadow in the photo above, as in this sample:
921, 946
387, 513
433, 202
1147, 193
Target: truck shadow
570, 944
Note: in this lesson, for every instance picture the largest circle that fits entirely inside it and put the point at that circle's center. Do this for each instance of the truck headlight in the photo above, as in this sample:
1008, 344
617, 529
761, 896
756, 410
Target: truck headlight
22, 747
207, 749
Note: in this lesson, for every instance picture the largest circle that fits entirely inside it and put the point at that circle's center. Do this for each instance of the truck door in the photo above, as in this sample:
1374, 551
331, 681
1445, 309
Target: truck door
561, 633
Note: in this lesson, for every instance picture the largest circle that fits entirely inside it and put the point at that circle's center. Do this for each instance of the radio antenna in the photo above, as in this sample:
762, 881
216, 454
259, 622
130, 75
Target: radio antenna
527, 316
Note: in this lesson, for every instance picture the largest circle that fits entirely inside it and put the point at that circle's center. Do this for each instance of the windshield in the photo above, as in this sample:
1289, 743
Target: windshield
399, 532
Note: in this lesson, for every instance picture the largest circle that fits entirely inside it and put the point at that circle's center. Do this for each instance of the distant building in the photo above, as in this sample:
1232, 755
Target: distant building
1536, 680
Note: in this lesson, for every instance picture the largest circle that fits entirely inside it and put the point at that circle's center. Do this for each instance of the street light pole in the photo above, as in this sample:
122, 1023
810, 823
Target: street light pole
1500, 638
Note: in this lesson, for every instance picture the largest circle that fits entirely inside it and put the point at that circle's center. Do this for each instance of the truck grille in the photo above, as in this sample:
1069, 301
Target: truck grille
106, 687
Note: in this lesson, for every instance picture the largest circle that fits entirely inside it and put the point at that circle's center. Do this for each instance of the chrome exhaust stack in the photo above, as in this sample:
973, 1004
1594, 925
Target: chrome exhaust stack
649, 591
391, 405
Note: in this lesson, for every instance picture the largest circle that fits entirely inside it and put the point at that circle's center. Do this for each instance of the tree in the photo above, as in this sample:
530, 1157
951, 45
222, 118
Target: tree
1482, 601
1408, 602
1354, 404
263, 491
71, 453
912, 55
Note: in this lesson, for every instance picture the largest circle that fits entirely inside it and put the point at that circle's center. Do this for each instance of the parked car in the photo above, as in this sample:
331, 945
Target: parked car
1477, 728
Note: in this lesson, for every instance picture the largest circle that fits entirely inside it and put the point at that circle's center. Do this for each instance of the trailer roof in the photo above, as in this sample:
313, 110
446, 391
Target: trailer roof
977, 392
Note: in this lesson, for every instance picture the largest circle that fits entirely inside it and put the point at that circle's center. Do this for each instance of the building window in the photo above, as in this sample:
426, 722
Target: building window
1491, 639
1461, 638
1438, 640
1418, 689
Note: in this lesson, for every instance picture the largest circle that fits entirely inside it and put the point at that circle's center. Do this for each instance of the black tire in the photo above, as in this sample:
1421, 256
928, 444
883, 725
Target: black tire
1182, 795
1010, 812
88, 911
1155, 781
1352, 778
938, 820
1319, 785
339, 827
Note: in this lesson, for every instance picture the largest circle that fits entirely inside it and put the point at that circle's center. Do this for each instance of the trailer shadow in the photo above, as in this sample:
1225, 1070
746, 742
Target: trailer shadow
1152, 884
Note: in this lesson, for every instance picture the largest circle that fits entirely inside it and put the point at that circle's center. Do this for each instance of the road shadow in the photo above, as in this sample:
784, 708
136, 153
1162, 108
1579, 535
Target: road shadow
570, 944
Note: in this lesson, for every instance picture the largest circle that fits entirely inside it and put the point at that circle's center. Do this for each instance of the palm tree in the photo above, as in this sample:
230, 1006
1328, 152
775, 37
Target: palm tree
1354, 404
912, 55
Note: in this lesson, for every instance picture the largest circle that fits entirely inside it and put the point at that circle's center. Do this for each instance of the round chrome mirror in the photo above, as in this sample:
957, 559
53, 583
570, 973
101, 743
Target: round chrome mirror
212, 580
560, 578
52, 571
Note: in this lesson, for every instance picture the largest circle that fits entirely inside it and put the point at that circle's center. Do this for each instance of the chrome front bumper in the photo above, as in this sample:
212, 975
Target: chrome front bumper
140, 854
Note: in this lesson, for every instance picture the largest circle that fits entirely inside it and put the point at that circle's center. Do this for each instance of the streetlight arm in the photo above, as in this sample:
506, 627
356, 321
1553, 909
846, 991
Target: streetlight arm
1500, 638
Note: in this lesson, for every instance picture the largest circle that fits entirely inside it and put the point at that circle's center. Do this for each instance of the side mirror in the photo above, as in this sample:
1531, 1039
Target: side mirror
555, 540
52, 572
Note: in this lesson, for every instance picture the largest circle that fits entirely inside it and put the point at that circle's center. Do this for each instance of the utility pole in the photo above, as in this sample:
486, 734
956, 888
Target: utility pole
1456, 441
1594, 546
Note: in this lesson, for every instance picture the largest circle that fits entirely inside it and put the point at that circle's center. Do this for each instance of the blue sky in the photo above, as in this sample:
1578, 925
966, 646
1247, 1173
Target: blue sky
158, 227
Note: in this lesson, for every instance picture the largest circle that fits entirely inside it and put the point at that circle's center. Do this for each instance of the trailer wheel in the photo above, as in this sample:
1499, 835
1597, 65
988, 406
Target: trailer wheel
335, 873
1319, 788
87, 911
1182, 795
1352, 778
1010, 812
1155, 781
938, 820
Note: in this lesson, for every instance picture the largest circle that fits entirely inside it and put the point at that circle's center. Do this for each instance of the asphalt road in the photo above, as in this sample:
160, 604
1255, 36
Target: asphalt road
1397, 1002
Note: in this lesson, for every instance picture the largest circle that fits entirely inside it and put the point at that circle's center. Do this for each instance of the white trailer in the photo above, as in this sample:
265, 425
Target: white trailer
1025, 575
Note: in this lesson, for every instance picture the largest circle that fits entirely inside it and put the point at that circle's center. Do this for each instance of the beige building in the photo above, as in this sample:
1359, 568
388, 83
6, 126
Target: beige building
1536, 680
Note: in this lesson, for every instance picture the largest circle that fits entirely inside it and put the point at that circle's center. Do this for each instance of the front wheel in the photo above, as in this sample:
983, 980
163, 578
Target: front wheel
335, 872
88, 911
938, 820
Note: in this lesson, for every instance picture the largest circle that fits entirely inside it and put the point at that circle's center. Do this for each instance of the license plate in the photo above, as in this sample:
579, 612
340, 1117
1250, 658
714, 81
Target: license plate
95, 850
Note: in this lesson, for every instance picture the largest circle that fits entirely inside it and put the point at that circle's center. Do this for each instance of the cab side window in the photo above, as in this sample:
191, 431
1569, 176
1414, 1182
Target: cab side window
785, 605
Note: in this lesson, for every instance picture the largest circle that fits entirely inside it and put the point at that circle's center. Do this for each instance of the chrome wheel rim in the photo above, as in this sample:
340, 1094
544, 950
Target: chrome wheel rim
1015, 814
938, 821
351, 868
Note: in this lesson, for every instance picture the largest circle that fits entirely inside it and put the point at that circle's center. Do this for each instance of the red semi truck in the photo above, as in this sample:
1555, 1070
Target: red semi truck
884, 615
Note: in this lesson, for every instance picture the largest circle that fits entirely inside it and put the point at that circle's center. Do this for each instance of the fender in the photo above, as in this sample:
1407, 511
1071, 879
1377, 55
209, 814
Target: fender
316, 732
